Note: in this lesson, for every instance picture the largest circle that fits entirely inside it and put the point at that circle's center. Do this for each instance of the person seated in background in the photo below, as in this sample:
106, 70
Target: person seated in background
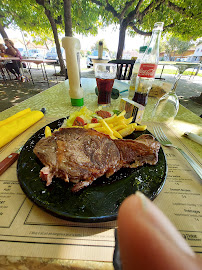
14, 65
2, 50
148, 240
2, 54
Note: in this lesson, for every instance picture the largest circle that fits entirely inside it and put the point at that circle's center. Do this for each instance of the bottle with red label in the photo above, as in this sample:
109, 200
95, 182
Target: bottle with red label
136, 68
148, 66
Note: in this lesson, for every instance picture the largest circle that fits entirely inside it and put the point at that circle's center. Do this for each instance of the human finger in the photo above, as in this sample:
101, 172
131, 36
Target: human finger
148, 240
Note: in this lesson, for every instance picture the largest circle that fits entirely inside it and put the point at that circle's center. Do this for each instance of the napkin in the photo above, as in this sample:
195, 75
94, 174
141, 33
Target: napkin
15, 116
16, 124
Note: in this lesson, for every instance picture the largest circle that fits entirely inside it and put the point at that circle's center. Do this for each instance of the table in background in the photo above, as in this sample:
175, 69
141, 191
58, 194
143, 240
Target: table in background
196, 66
42, 63
46, 240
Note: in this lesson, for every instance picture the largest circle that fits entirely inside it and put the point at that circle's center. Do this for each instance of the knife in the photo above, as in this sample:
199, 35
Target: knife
193, 137
9, 160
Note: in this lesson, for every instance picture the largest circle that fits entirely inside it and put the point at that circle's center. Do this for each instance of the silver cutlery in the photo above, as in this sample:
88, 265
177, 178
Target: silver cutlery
161, 137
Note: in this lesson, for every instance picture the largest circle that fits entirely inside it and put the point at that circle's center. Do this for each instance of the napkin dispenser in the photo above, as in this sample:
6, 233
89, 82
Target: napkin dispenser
72, 51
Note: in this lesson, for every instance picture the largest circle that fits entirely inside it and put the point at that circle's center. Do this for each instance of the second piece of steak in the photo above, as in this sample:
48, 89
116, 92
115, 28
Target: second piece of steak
82, 155
135, 153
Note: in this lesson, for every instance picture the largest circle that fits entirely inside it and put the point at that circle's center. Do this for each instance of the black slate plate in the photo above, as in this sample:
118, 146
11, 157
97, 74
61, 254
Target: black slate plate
97, 203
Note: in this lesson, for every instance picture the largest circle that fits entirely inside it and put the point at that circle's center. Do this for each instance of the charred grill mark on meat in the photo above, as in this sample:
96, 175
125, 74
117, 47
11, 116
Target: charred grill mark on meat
82, 155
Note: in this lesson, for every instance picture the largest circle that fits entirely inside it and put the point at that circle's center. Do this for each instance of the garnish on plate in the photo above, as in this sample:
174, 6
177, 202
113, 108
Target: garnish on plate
113, 123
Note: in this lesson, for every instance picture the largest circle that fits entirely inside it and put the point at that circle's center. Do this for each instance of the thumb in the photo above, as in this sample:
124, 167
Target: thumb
148, 240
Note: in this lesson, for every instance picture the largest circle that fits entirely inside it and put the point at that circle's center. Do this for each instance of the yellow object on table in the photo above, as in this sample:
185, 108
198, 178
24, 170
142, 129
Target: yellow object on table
15, 116
12, 128
47, 131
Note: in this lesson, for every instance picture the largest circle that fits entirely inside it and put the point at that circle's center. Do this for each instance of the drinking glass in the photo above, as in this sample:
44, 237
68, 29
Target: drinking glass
167, 106
105, 75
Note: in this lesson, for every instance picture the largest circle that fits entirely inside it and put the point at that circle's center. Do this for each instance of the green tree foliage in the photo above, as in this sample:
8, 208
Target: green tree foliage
183, 46
175, 44
85, 17
27, 15
31, 17
171, 45
182, 17
44, 19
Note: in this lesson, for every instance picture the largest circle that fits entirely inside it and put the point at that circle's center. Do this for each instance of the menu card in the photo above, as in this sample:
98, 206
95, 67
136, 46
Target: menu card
26, 230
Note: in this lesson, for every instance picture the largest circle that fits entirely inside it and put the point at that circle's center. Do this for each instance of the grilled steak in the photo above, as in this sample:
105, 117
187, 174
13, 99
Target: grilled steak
82, 155
135, 153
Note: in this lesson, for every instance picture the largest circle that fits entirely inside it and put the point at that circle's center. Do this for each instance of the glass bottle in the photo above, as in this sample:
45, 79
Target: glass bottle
135, 72
148, 66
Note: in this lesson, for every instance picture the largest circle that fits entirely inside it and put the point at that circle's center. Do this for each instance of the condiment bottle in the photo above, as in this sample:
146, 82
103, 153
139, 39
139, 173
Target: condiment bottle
72, 50
135, 72
148, 66
100, 49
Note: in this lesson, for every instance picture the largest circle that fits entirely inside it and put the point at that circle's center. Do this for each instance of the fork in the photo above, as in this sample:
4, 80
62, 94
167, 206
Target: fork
161, 137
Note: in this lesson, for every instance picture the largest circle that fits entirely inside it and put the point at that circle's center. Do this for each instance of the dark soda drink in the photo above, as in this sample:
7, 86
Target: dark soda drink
140, 98
104, 90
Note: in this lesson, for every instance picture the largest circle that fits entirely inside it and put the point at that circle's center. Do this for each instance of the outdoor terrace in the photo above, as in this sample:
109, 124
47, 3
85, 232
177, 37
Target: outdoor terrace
13, 92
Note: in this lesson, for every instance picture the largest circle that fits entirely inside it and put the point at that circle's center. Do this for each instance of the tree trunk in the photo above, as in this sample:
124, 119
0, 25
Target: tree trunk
67, 18
2, 32
57, 43
122, 35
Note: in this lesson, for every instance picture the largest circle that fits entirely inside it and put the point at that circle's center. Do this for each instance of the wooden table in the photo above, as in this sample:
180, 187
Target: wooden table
45, 242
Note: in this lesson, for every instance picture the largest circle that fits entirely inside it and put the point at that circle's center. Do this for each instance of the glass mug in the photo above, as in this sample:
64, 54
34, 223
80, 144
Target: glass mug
105, 75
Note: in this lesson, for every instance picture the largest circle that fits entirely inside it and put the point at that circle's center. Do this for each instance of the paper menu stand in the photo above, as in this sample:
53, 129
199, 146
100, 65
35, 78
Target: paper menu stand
133, 109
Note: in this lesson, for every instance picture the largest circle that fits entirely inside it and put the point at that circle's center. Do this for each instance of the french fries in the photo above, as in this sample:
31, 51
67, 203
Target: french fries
92, 125
47, 131
119, 127
128, 130
140, 128
116, 127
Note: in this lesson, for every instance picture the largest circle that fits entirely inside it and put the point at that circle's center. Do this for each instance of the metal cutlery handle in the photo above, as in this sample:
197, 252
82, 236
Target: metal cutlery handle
193, 137
194, 165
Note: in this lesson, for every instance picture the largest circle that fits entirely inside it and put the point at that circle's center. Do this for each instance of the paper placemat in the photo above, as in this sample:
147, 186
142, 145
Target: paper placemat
26, 230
